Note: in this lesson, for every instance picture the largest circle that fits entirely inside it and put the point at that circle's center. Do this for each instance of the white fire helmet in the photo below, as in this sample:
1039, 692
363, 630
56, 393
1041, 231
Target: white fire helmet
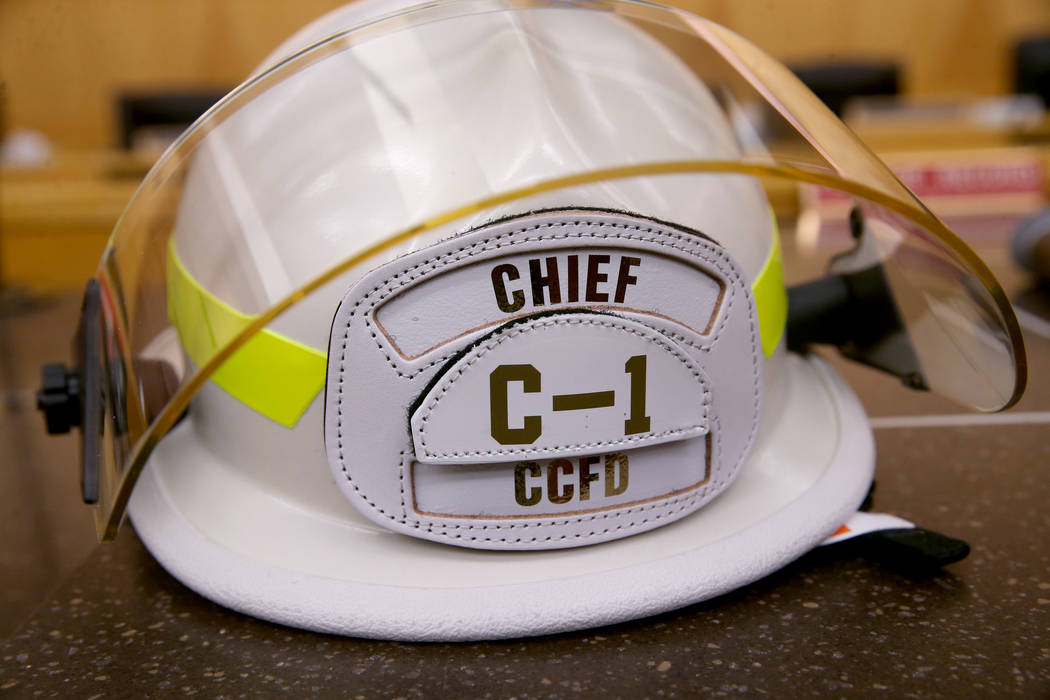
467, 321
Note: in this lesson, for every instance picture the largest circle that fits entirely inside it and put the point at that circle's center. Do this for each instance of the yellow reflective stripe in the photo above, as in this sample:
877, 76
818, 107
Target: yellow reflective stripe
771, 296
271, 373
279, 377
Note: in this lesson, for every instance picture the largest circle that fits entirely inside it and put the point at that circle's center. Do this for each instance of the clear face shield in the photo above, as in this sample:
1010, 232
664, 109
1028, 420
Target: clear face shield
189, 294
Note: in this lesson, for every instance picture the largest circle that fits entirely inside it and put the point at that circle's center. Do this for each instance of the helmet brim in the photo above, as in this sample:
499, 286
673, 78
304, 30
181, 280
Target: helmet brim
249, 551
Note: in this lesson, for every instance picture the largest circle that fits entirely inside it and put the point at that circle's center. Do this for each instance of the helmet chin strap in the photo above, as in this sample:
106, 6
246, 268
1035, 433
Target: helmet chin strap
894, 543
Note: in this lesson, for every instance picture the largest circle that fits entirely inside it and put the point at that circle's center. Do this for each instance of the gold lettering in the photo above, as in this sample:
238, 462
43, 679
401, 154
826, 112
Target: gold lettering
535, 493
554, 491
528, 492
574, 278
625, 277
595, 277
499, 287
612, 488
550, 281
499, 421
586, 476
637, 421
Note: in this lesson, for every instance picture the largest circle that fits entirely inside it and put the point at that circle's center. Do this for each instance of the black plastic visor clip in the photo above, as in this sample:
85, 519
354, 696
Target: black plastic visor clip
73, 397
855, 311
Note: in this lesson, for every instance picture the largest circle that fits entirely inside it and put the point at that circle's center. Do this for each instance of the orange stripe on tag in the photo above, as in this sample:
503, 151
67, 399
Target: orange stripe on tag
841, 531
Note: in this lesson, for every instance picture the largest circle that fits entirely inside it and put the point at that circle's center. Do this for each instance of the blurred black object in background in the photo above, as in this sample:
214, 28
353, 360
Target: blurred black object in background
167, 114
1032, 67
1030, 243
837, 82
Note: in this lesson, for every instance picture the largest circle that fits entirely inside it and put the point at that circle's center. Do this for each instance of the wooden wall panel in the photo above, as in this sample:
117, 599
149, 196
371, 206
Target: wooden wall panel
64, 60
946, 47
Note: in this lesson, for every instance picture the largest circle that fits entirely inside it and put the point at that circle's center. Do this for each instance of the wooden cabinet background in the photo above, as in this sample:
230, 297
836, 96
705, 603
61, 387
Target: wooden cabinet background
64, 60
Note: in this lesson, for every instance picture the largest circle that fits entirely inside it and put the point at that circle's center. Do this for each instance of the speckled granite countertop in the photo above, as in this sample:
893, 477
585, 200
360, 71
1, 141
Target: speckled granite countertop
116, 625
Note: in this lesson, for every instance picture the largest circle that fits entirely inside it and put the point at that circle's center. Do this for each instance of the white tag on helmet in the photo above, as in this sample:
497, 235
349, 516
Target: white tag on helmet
550, 380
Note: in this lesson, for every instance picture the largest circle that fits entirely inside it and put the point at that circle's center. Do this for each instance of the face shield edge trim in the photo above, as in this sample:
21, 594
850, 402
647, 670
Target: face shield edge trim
728, 43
